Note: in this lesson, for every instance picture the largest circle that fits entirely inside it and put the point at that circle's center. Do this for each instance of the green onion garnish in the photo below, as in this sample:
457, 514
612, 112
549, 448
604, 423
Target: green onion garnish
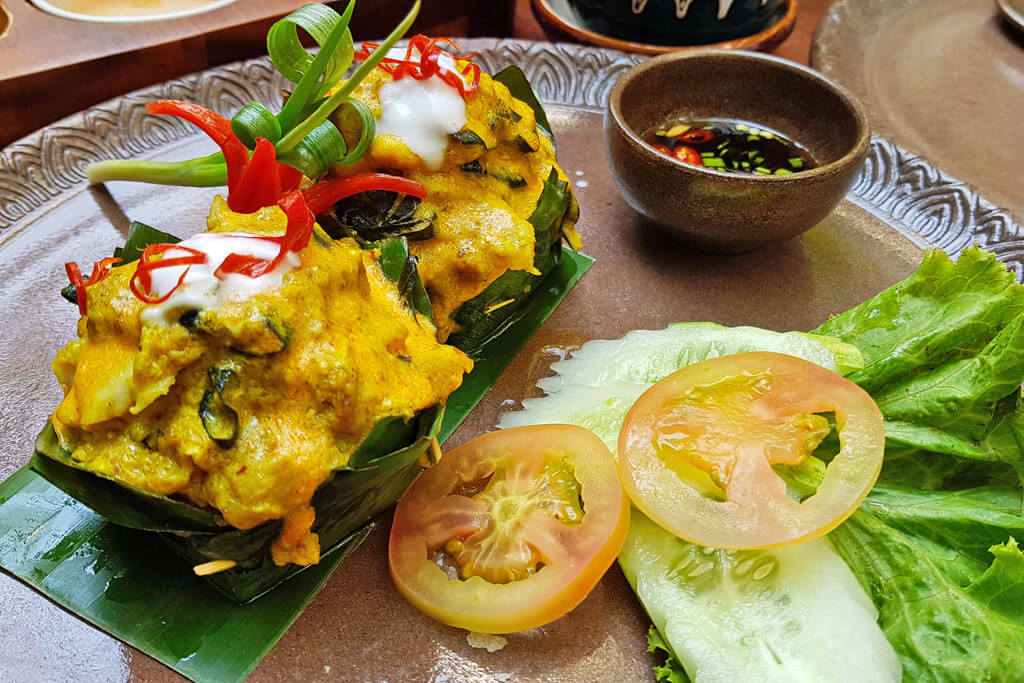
292, 60
301, 132
255, 121
342, 93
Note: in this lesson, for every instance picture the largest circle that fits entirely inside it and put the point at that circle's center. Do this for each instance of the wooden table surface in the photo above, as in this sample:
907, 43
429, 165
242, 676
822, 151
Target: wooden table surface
52, 67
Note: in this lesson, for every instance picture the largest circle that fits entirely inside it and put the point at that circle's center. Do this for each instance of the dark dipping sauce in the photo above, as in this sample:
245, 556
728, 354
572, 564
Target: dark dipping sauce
730, 145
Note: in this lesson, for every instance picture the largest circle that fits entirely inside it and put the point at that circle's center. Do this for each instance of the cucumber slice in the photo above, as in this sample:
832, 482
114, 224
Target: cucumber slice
807, 618
596, 387
788, 614
646, 356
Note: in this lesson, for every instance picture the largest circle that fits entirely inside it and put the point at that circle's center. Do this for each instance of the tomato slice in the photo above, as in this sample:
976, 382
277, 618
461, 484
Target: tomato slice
696, 450
511, 530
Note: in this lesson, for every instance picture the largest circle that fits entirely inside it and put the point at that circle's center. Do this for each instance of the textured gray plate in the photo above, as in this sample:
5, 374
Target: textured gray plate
358, 628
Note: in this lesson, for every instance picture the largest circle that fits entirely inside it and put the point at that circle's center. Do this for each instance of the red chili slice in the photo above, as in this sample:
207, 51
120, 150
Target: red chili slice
243, 264
295, 238
100, 270
696, 136
236, 156
688, 155
252, 183
259, 181
322, 196
300, 222
75, 276
297, 234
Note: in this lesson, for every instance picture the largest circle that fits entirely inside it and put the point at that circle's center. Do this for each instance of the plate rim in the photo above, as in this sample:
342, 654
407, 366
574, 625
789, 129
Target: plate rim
910, 194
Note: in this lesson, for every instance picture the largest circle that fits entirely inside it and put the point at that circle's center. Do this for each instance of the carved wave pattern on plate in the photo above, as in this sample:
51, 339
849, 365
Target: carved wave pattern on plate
917, 198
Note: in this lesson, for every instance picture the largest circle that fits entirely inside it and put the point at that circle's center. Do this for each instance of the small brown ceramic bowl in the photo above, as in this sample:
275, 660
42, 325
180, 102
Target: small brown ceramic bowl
721, 211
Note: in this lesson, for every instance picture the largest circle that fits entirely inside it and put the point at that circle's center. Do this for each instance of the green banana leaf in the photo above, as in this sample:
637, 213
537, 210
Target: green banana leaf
141, 236
380, 470
129, 582
513, 78
477, 323
399, 265
556, 211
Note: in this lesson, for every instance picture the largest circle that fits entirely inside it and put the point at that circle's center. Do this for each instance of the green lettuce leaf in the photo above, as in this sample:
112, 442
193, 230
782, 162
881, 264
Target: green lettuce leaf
949, 616
934, 542
671, 671
1000, 588
944, 359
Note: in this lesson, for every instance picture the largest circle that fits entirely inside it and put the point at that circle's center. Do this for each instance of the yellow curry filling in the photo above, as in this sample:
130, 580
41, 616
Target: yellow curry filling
481, 197
250, 405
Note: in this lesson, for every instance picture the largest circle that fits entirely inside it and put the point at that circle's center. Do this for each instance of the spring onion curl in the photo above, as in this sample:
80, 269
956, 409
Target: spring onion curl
342, 93
302, 134
254, 121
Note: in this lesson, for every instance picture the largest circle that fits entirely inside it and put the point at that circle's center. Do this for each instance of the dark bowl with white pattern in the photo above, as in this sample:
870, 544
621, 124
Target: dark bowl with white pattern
678, 22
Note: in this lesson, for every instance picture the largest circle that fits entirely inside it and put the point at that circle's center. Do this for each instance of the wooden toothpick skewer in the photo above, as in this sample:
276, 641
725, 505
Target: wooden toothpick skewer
213, 567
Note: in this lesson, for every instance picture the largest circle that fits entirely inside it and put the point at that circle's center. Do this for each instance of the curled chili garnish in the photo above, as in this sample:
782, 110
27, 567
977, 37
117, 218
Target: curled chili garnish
322, 196
295, 238
152, 259
422, 60
252, 182
100, 270
155, 256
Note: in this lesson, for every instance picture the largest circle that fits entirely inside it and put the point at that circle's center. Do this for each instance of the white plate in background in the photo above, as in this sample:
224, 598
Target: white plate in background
127, 11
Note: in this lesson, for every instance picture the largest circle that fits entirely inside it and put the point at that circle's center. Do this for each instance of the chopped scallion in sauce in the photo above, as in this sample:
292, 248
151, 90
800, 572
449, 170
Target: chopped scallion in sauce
730, 145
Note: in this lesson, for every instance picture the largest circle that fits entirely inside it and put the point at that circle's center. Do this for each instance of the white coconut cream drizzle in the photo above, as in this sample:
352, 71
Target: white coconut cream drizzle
683, 6
201, 288
422, 113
